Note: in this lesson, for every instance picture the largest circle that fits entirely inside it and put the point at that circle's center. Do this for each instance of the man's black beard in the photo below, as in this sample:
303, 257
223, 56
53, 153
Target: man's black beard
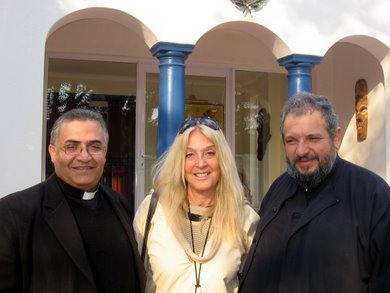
314, 179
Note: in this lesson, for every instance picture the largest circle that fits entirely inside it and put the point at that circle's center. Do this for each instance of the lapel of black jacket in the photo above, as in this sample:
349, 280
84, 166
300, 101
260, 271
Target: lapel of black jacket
122, 211
124, 214
282, 189
59, 217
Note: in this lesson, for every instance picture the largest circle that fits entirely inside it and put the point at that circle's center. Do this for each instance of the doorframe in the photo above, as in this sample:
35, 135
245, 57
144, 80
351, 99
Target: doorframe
142, 69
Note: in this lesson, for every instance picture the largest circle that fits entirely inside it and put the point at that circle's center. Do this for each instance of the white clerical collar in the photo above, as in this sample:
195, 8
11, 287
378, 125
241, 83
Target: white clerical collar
88, 195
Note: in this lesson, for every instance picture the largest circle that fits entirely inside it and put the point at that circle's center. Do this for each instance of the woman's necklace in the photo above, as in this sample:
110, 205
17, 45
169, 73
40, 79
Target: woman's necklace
198, 288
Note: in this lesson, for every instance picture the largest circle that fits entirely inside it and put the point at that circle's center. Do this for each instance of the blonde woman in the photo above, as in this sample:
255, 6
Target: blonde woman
203, 226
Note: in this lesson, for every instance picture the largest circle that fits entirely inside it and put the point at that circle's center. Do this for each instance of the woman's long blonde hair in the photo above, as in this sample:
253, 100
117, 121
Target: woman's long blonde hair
169, 182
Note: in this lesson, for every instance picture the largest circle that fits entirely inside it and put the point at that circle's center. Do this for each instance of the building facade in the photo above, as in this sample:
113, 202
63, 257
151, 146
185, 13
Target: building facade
147, 66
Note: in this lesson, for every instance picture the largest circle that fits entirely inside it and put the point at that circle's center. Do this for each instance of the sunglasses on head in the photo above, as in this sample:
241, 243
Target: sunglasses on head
202, 121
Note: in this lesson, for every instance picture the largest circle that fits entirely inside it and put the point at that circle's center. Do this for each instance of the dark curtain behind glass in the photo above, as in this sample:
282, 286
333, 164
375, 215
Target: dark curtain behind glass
119, 114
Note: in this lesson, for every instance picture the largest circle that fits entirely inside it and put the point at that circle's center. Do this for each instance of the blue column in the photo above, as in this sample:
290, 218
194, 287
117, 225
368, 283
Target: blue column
172, 90
299, 69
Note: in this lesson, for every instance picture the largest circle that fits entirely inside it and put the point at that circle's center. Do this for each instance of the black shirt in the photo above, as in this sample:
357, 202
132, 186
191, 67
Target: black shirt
106, 242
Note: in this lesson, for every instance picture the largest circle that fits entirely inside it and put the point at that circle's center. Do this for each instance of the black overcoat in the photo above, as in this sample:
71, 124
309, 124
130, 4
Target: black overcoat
340, 244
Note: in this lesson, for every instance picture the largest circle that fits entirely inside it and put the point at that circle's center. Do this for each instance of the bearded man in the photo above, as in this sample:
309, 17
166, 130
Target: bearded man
324, 224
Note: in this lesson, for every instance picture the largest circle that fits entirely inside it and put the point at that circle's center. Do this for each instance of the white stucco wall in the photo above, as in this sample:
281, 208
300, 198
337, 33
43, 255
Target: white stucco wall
306, 26
295, 21
338, 74
23, 29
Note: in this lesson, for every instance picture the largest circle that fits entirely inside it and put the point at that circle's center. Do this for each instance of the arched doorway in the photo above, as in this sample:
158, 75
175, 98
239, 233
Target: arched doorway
92, 60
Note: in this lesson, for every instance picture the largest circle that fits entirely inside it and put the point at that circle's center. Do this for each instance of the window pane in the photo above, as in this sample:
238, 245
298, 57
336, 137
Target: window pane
205, 97
259, 152
151, 125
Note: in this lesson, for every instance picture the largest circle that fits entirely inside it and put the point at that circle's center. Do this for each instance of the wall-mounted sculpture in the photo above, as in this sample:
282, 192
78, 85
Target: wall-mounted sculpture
361, 109
263, 132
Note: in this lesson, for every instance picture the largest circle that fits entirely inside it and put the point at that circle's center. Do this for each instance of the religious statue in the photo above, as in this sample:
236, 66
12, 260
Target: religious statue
263, 132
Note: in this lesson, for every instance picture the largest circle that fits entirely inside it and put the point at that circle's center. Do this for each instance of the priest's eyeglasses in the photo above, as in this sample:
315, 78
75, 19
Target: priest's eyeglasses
202, 121
76, 149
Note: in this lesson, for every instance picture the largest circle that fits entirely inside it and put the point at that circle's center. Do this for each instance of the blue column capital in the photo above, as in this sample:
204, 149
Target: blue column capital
299, 69
165, 49
299, 59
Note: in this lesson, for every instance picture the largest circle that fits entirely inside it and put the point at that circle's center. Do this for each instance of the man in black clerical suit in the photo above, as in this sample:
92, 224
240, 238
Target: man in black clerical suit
70, 233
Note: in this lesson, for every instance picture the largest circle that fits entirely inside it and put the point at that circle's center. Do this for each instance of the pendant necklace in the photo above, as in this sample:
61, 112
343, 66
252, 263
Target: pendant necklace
198, 288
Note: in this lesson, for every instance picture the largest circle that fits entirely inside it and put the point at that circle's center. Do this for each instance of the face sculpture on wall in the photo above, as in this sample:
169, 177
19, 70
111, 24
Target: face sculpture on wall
263, 132
361, 109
